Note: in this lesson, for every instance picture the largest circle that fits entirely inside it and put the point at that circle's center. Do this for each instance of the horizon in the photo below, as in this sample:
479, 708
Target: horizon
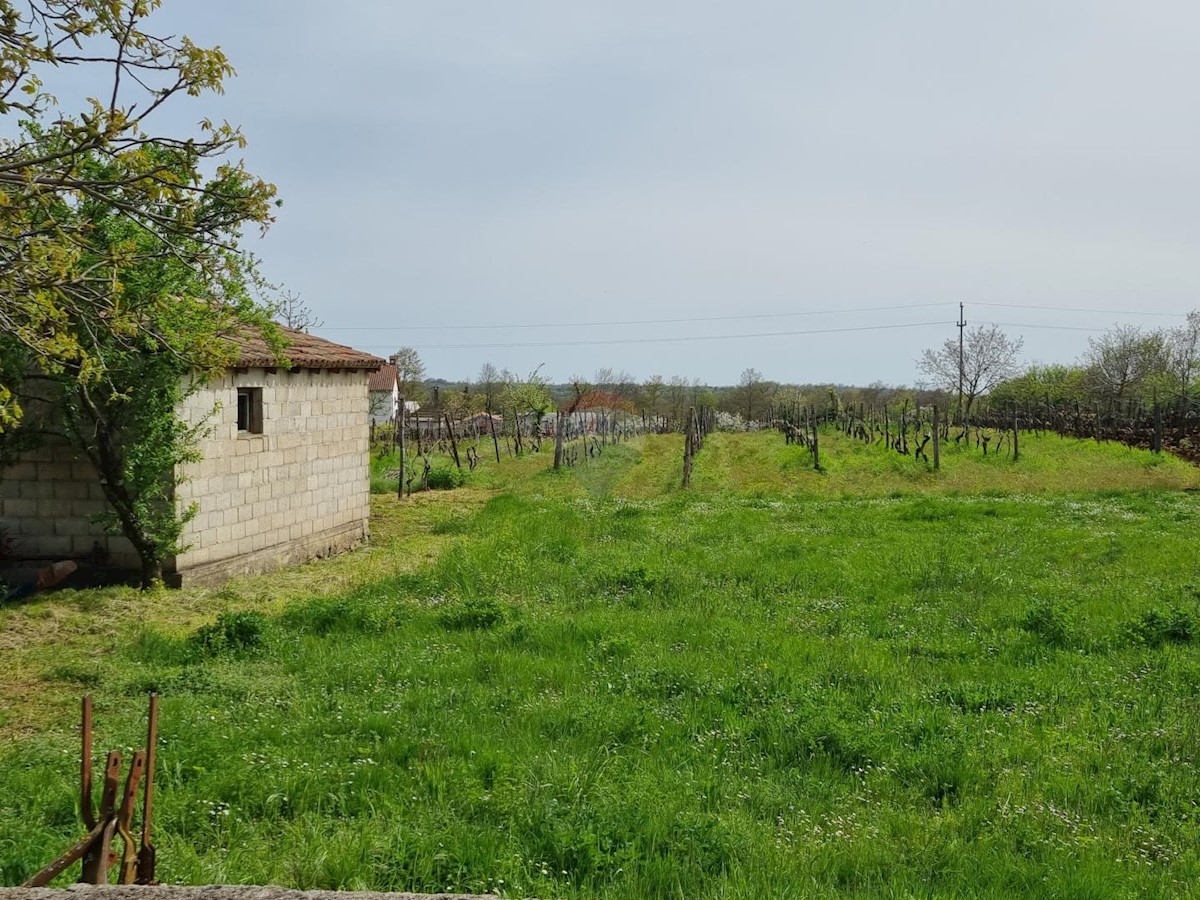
916, 384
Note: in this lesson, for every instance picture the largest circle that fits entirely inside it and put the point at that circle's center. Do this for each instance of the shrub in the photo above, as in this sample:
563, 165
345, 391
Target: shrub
246, 630
1156, 627
485, 612
1049, 622
445, 477
383, 484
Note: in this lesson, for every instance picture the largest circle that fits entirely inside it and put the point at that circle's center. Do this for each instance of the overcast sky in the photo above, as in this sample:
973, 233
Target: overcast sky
491, 164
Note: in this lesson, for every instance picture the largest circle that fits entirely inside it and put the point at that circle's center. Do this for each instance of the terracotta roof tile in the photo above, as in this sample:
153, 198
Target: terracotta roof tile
383, 379
303, 350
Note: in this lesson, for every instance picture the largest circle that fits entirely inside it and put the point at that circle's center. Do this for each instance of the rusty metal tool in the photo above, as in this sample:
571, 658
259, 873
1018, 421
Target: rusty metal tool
99, 857
147, 855
86, 809
60, 865
96, 847
125, 819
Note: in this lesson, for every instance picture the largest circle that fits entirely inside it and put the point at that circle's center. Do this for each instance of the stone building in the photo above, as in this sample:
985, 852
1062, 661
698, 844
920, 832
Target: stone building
285, 475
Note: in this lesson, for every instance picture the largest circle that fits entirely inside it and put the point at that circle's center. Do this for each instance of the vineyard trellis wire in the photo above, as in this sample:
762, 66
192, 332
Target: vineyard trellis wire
906, 426
465, 442
920, 430
1171, 426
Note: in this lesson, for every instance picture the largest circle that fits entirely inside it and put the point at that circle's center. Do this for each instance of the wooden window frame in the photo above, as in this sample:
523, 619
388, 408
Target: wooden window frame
250, 410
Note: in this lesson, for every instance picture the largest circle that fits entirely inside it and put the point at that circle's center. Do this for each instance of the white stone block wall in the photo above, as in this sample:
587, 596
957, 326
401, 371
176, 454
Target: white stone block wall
302, 484
49, 502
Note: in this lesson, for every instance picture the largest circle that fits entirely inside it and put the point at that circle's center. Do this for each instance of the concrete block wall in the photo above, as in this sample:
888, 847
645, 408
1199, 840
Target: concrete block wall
48, 502
299, 489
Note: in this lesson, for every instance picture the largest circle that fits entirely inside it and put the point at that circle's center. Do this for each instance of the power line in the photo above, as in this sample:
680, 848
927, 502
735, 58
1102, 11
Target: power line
457, 327
1118, 312
1052, 327
660, 340
748, 316
715, 337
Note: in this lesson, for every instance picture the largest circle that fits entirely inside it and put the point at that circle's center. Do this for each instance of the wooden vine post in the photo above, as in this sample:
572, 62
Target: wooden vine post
816, 448
453, 442
400, 429
1016, 446
495, 440
689, 447
937, 440
558, 439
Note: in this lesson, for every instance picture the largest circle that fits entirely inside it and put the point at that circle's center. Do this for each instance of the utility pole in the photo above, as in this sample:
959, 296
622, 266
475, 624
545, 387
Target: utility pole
400, 440
962, 323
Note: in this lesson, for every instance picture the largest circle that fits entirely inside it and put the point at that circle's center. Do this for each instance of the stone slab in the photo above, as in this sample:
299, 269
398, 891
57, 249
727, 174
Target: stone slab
211, 892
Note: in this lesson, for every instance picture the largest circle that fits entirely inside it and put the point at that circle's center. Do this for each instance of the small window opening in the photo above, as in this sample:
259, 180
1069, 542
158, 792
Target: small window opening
250, 410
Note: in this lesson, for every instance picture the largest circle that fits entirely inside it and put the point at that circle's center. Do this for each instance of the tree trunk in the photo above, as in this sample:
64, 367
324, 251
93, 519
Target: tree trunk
106, 459
152, 572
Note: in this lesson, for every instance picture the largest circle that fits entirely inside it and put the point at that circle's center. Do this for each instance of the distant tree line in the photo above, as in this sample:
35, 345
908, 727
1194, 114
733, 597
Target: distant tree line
1126, 364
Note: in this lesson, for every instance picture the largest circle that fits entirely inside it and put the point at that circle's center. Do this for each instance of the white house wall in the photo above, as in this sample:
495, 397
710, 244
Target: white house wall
298, 490
384, 406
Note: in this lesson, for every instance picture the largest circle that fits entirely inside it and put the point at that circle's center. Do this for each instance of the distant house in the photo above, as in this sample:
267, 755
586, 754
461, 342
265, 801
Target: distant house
284, 476
384, 387
484, 423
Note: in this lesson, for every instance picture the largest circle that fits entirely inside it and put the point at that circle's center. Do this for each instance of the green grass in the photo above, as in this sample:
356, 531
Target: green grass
443, 473
870, 681
765, 465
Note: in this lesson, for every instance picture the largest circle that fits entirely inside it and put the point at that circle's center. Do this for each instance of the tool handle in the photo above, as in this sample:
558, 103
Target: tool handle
151, 755
86, 809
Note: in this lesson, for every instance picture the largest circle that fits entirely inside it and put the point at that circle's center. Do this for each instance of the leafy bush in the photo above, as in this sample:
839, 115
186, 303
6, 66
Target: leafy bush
1049, 622
1156, 627
246, 630
384, 483
445, 477
485, 612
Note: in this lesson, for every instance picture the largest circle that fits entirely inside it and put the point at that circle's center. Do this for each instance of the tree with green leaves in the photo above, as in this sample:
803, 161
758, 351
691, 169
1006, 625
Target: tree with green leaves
1056, 384
123, 416
121, 275
181, 189
527, 399
1184, 355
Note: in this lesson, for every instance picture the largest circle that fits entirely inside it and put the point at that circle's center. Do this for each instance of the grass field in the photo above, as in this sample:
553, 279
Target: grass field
868, 681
